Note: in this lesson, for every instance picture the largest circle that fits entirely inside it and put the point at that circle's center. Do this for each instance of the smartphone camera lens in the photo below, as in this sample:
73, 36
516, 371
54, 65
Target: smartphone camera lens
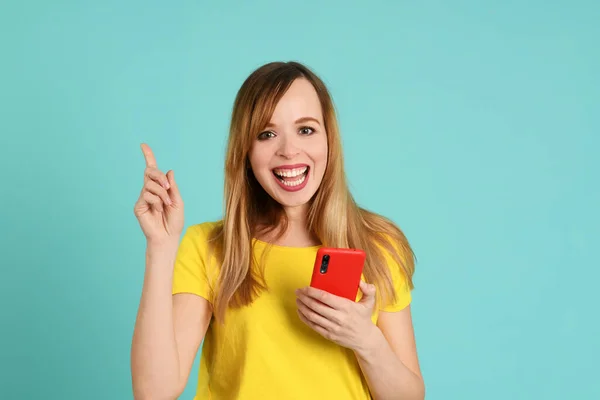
324, 263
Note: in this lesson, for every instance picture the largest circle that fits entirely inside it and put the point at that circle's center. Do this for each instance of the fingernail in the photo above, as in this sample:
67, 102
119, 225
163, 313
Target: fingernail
166, 185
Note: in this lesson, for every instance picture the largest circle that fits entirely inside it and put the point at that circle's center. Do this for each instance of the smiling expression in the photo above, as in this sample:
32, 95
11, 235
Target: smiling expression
289, 156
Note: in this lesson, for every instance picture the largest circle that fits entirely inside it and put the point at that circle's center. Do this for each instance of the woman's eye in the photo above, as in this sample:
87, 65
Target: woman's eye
265, 135
306, 130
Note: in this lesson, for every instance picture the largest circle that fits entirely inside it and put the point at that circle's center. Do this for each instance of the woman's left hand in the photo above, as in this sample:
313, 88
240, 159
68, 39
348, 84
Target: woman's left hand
345, 322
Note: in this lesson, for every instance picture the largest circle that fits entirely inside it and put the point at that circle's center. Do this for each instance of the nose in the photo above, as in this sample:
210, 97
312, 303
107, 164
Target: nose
288, 148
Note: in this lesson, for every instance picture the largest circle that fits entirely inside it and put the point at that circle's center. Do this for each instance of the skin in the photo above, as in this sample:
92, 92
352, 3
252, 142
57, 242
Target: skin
296, 135
386, 352
169, 328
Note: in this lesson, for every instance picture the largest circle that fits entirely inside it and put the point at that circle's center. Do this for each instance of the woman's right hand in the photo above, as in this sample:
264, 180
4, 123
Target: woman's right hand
159, 208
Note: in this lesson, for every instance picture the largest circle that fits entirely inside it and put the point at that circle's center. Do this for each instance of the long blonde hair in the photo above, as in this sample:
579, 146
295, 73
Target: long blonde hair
334, 217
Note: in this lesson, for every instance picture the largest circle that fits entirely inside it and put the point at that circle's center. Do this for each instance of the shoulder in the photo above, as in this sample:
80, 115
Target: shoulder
399, 264
195, 270
395, 252
199, 238
200, 244
203, 231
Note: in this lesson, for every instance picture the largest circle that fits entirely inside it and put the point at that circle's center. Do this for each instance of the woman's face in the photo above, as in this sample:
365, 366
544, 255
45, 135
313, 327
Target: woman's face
289, 157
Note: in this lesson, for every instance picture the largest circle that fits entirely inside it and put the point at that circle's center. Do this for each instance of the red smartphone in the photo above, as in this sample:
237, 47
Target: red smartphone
338, 271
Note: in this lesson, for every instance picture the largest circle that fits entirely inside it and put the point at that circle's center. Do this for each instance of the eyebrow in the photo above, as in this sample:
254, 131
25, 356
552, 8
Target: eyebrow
298, 121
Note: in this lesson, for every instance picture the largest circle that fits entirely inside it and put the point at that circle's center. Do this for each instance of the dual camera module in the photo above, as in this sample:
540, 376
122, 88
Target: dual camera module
324, 263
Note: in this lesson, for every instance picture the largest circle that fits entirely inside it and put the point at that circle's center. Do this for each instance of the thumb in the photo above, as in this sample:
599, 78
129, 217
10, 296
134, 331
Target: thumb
368, 290
174, 190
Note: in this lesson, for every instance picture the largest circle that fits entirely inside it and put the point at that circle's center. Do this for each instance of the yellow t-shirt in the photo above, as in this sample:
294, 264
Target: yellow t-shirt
264, 351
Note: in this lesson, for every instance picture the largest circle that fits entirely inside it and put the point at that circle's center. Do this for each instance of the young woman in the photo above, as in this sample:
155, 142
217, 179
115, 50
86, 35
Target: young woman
242, 284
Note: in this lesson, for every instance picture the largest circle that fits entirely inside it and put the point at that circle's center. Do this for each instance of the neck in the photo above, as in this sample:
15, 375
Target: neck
297, 216
297, 234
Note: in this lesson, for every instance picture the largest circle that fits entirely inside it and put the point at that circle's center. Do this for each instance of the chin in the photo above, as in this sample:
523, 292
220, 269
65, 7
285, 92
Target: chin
296, 199
292, 204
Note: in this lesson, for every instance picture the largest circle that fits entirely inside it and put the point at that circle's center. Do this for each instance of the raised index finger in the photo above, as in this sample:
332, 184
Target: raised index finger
148, 155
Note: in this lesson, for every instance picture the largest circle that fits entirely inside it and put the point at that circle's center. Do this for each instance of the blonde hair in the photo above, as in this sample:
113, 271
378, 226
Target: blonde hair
334, 217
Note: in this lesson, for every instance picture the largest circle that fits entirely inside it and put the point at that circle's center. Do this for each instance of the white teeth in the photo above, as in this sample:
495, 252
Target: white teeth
294, 183
291, 173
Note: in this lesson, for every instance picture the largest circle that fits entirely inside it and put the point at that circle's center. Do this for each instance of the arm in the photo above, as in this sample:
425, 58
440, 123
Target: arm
168, 330
389, 362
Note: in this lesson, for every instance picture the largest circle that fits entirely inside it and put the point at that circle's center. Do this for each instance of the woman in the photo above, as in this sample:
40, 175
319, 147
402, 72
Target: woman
241, 284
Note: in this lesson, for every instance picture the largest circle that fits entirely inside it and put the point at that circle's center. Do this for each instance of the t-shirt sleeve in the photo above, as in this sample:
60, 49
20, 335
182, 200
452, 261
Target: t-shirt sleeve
401, 287
190, 273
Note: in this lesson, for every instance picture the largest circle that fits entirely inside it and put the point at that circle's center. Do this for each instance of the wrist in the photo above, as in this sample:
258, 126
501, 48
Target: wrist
163, 250
162, 245
370, 345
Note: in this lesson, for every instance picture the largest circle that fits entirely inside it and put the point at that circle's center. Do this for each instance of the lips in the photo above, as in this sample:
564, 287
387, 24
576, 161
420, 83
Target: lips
291, 177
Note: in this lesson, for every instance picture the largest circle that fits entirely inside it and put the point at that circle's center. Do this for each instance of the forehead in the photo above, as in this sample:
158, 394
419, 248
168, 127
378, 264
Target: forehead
300, 100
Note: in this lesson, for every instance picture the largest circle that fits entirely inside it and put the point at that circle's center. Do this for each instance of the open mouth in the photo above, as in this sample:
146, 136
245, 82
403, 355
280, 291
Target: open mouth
291, 177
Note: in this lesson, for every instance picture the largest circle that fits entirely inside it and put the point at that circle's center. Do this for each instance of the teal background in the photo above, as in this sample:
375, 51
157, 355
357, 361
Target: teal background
474, 125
